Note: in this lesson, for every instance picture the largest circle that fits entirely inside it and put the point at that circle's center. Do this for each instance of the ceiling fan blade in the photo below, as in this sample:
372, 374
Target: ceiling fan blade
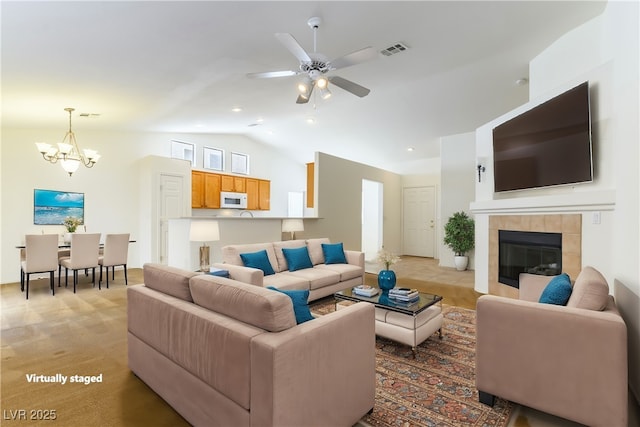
294, 47
349, 86
354, 58
270, 74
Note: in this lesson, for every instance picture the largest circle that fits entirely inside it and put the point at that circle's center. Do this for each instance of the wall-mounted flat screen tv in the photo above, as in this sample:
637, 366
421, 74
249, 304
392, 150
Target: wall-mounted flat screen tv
547, 145
51, 207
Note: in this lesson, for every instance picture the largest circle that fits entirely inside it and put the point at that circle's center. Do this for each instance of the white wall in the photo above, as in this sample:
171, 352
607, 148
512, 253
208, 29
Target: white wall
112, 187
339, 202
458, 162
603, 51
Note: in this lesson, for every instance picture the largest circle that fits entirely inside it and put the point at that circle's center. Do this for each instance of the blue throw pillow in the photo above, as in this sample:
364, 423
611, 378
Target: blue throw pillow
297, 258
557, 291
333, 253
300, 304
259, 260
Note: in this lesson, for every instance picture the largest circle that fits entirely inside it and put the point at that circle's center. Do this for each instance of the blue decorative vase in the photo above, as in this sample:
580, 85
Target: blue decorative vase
386, 280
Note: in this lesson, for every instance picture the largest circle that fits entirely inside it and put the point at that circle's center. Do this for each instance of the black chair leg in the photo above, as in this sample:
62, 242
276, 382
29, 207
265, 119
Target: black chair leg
486, 398
21, 280
53, 288
28, 275
126, 282
75, 280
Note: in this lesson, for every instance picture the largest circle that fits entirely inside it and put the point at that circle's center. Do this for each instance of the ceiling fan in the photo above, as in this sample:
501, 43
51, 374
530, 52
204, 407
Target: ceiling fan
314, 66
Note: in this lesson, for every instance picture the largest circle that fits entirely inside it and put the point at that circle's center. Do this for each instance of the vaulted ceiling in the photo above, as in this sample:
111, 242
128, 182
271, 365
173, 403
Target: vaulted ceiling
181, 67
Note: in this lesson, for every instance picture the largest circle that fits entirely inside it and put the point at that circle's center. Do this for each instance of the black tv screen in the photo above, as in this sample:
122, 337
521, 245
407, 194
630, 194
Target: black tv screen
545, 146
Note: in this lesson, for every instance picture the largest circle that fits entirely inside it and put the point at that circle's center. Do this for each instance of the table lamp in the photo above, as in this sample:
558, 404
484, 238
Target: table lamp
292, 225
204, 231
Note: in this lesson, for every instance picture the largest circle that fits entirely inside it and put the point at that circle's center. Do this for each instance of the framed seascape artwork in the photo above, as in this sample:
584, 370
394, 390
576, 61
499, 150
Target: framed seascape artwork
184, 151
51, 207
213, 158
240, 163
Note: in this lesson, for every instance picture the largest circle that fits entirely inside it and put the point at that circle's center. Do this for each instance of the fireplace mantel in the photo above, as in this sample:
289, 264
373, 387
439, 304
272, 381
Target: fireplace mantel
603, 200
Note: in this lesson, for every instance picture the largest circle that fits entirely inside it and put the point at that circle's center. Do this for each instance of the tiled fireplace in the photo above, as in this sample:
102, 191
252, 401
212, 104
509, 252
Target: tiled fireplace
568, 225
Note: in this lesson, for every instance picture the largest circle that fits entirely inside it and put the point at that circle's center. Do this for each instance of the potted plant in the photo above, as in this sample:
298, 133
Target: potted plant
386, 277
459, 235
70, 224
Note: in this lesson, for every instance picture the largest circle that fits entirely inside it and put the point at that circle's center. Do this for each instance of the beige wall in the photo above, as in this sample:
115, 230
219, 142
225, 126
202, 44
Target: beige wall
339, 198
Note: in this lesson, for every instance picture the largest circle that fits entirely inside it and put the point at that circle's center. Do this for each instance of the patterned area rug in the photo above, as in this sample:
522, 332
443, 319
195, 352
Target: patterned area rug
437, 388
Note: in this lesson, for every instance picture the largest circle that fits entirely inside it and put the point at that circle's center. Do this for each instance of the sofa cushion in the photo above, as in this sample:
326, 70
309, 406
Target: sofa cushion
557, 291
315, 277
247, 303
315, 250
333, 253
297, 258
285, 280
259, 260
590, 291
278, 246
346, 271
300, 305
169, 280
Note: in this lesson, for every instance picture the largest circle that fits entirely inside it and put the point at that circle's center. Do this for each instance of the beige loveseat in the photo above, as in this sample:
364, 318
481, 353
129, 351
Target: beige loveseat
321, 280
225, 353
569, 361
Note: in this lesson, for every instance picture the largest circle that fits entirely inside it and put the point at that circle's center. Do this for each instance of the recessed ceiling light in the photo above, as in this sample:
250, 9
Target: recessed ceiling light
236, 109
310, 120
260, 120
522, 82
410, 148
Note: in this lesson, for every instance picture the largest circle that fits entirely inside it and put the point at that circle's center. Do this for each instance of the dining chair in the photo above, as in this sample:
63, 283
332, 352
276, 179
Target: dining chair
84, 255
40, 256
116, 251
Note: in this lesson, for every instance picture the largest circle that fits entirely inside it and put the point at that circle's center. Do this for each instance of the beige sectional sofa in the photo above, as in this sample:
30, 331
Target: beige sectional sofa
569, 361
321, 280
225, 353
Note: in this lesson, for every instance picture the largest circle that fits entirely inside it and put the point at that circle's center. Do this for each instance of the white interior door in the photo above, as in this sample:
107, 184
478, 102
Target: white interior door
372, 197
419, 221
171, 206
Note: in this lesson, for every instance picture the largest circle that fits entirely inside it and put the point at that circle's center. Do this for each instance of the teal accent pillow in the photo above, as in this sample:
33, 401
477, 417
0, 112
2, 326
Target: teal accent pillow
297, 258
300, 305
557, 291
259, 260
333, 253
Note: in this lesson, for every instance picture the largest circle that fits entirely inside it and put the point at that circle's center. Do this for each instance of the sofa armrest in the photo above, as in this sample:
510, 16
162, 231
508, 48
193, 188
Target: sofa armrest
565, 361
304, 373
354, 257
252, 276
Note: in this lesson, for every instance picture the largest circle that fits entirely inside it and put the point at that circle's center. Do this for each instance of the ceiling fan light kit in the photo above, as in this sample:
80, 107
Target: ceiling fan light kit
314, 67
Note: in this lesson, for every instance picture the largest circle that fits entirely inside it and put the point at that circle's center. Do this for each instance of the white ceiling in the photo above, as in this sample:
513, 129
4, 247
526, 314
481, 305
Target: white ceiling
181, 67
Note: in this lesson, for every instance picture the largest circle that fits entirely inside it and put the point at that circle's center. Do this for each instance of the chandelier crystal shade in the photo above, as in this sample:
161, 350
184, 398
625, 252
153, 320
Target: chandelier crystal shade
67, 151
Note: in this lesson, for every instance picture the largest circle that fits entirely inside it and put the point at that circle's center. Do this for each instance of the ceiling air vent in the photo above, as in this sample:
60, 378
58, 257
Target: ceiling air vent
394, 48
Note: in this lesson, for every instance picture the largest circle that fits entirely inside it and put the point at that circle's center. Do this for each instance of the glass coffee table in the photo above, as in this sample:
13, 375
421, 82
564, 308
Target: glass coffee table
408, 324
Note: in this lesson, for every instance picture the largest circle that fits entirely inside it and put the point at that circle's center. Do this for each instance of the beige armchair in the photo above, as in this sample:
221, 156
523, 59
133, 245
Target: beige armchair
569, 361
41, 256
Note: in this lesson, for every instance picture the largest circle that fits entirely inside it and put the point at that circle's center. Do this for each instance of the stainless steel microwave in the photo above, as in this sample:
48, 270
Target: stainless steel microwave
230, 200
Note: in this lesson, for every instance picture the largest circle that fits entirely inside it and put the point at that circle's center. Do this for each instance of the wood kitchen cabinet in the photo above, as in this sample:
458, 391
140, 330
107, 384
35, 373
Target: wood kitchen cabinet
236, 184
258, 194
264, 195
205, 190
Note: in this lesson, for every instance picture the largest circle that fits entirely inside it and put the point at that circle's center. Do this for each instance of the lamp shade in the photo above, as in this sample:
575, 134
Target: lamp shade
292, 225
204, 231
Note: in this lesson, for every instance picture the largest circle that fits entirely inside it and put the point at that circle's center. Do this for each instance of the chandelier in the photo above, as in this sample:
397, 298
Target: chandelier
67, 151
